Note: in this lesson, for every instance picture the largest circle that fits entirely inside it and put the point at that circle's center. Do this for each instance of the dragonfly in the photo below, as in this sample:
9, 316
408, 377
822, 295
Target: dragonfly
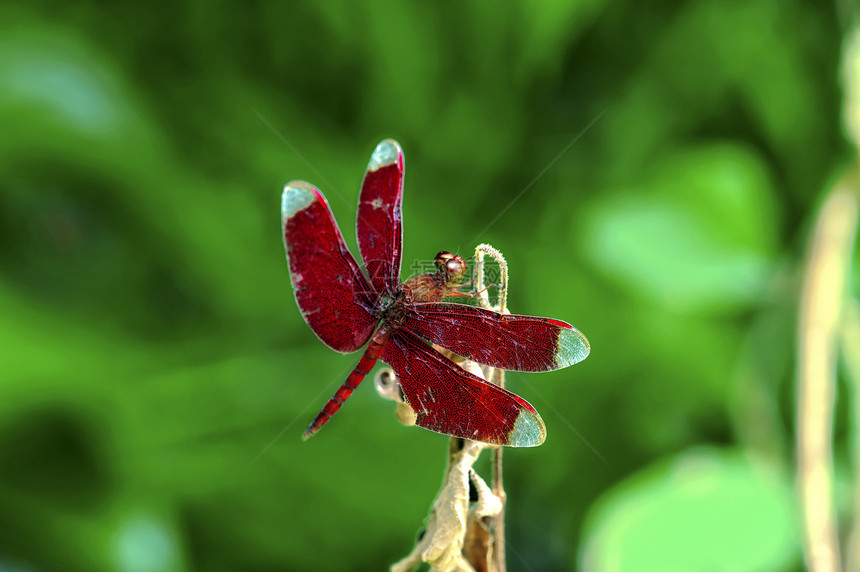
349, 308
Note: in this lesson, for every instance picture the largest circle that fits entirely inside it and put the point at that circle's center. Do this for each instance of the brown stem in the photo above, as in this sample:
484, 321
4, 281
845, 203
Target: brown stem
498, 377
499, 491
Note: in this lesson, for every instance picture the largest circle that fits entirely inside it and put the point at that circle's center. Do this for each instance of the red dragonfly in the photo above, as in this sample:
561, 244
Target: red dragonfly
346, 308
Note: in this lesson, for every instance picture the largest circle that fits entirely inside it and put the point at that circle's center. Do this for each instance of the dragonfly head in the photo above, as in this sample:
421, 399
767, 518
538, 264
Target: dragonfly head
451, 266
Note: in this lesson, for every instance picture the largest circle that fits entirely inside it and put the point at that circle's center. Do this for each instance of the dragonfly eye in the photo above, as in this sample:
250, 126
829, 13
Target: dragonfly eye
455, 268
452, 265
442, 259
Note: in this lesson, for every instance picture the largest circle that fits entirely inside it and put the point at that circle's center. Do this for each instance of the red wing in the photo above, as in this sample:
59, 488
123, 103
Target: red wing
380, 218
333, 295
450, 400
506, 341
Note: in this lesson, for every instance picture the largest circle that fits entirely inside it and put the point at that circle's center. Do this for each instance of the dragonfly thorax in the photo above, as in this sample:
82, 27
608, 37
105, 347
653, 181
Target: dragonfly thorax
390, 310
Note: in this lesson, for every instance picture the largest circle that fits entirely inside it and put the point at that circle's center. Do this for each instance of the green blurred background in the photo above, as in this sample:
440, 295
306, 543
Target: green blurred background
662, 164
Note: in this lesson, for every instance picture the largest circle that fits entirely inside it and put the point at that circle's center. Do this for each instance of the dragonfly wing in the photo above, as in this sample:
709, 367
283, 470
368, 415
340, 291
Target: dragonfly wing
333, 295
380, 218
506, 341
450, 400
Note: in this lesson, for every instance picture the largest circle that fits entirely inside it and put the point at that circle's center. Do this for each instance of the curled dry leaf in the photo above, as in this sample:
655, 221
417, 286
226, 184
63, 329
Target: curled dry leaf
478, 543
442, 544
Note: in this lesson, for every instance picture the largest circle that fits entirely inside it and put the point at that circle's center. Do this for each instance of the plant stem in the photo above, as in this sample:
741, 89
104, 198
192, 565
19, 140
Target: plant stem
497, 377
821, 308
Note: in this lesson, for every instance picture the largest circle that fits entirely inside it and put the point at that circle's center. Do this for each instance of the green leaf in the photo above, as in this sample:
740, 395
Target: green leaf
703, 510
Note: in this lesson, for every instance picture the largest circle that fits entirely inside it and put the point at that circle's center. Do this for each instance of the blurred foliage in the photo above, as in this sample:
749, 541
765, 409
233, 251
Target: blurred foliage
152, 351
706, 510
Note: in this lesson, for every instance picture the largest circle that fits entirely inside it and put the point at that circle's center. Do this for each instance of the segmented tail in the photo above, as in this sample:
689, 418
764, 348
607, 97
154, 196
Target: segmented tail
365, 364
